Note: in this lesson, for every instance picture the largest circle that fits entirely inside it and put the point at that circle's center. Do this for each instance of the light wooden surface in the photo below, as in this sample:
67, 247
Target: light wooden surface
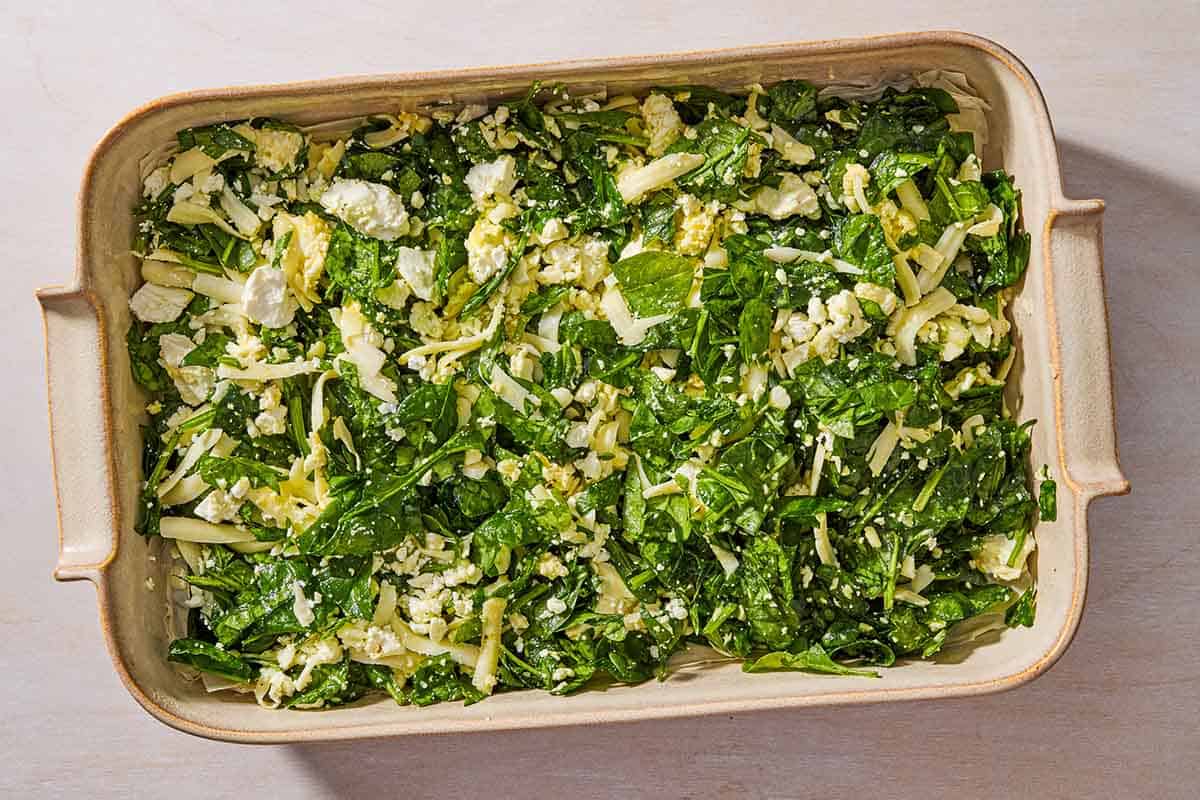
1116, 718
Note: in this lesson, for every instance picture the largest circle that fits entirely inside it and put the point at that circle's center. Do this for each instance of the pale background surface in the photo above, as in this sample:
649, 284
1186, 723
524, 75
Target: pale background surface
1116, 718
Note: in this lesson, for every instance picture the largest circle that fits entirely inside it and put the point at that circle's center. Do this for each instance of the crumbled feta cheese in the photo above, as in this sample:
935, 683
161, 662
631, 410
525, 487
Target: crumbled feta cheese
218, 506
551, 566
462, 604
464, 572
662, 122
272, 421
487, 249
246, 349
793, 196
779, 398
845, 317
492, 179
213, 183
799, 327
880, 296
696, 227
182, 193
266, 298
552, 231
593, 262
426, 605
954, 335
372, 209
416, 267
155, 182
676, 609
562, 264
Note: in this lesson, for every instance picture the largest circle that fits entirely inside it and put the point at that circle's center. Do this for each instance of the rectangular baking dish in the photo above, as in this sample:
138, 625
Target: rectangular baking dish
1062, 380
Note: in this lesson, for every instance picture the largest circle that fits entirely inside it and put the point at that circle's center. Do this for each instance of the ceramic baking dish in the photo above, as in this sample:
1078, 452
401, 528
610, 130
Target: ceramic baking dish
1062, 380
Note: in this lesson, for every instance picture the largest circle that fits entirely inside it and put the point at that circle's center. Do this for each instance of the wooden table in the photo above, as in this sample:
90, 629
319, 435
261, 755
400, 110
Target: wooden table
1117, 718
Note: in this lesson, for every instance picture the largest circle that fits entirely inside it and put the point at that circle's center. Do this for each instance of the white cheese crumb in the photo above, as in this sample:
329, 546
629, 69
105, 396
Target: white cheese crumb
793, 196
416, 267
218, 506
372, 209
492, 179
662, 122
266, 298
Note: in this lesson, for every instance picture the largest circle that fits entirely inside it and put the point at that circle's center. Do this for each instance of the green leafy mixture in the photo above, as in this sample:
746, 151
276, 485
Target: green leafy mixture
538, 395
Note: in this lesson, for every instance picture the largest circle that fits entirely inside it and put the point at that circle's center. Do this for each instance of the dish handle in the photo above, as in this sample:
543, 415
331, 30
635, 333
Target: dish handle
1085, 408
79, 436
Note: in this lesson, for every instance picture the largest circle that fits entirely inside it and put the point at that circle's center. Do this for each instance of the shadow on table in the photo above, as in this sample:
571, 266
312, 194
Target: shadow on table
1123, 657
1151, 244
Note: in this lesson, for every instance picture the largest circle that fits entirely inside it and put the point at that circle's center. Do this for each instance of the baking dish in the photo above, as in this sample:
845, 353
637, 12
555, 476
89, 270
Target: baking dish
1062, 379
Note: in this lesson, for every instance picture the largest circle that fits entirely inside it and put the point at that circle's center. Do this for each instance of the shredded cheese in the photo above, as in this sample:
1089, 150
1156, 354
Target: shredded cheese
492, 617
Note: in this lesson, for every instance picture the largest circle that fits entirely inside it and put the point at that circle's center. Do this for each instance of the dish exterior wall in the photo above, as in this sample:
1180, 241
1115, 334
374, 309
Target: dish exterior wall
1062, 380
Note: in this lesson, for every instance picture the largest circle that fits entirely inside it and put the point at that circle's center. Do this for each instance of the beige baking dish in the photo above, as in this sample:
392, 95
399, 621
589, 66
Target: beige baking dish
1063, 381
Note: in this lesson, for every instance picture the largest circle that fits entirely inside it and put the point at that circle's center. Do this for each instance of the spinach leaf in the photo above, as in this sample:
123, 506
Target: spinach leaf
791, 102
356, 264
225, 472
346, 582
214, 140
654, 282
1022, 612
369, 165
890, 169
356, 523
693, 101
330, 686
957, 201
754, 329
544, 300
859, 239
658, 218
432, 403
208, 657
208, 353
1048, 497
814, 659
725, 146
141, 341
440, 680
